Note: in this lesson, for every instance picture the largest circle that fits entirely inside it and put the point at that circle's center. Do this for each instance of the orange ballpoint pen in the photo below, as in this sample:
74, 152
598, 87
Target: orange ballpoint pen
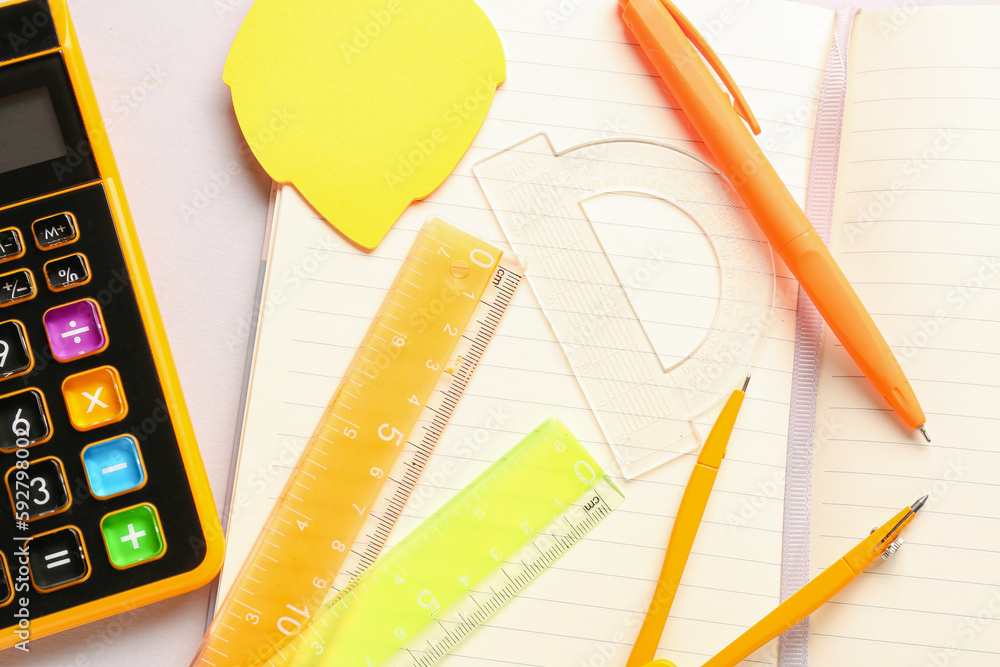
669, 40
689, 515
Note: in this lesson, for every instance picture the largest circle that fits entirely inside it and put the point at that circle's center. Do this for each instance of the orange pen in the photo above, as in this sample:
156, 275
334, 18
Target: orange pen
666, 37
882, 542
689, 516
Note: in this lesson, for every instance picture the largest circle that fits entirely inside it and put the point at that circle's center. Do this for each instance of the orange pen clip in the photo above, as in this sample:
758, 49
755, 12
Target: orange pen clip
713, 59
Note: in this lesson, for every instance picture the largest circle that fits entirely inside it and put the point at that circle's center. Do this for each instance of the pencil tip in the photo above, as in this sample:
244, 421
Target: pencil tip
917, 505
747, 383
923, 429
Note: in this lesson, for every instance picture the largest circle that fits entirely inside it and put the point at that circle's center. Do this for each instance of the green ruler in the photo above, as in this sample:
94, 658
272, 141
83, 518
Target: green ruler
463, 563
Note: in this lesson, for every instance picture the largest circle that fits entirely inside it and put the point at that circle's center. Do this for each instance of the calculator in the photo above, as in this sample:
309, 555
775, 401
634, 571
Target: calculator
105, 504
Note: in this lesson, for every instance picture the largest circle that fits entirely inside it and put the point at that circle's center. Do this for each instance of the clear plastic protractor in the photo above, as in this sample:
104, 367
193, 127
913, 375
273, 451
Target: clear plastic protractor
646, 407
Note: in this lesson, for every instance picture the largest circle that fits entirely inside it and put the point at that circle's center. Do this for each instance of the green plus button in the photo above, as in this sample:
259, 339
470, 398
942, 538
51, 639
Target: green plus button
133, 536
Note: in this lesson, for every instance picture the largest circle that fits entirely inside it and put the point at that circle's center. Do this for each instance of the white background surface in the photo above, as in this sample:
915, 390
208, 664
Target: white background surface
199, 201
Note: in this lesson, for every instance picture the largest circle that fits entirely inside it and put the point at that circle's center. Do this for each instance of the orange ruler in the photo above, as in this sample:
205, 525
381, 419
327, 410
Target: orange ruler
367, 452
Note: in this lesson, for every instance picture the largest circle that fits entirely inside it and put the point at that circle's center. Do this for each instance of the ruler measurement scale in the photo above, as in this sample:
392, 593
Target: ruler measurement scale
464, 562
341, 476
511, 580
451, 386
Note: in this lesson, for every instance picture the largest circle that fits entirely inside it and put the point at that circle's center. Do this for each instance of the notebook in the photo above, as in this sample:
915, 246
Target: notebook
915, 228
574, 75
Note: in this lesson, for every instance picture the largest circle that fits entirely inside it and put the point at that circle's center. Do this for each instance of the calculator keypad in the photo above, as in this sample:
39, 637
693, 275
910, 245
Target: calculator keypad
15, 354
16, 286
82, 405
24, 420
11, 244
57, 559
75, 330
67, 272
41, 489
55, 230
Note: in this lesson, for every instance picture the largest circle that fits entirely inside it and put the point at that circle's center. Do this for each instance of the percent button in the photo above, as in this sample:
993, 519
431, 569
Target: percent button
66, 272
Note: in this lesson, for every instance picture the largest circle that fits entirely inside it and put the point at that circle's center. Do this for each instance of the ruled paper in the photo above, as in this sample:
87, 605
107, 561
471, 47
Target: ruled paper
573, 75
917, 231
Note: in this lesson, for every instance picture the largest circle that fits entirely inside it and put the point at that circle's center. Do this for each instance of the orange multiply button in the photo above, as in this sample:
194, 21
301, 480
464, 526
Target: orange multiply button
94, 398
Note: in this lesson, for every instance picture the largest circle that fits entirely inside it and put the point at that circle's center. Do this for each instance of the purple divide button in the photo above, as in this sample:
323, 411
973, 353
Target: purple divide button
75, 330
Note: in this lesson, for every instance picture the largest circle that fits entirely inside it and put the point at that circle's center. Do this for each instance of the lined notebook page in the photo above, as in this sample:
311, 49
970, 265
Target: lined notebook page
917, 231
572, 74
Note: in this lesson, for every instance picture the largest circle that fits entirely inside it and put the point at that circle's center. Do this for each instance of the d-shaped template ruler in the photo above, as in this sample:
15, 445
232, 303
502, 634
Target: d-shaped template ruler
645, 407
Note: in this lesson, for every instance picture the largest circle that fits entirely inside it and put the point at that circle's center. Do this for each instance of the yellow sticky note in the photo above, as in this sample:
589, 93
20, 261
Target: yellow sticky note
363, 105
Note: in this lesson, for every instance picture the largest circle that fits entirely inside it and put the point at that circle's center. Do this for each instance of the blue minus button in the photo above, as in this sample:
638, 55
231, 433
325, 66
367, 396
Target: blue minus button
114, 466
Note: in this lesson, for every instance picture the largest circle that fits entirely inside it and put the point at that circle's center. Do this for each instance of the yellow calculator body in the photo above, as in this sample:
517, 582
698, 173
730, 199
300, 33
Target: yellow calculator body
105, 505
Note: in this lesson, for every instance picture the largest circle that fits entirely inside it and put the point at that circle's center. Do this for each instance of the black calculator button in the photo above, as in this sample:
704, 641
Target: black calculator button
39, 491
57, 559
24, 420
55, 230
16, 286
67, 272
15, 354
11, 244
6, 583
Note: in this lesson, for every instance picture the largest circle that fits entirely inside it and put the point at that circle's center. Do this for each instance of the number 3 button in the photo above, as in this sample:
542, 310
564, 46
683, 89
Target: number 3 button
38, 491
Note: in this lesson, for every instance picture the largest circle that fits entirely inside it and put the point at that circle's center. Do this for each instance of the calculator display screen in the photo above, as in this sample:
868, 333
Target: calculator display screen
44, 143
29, 130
